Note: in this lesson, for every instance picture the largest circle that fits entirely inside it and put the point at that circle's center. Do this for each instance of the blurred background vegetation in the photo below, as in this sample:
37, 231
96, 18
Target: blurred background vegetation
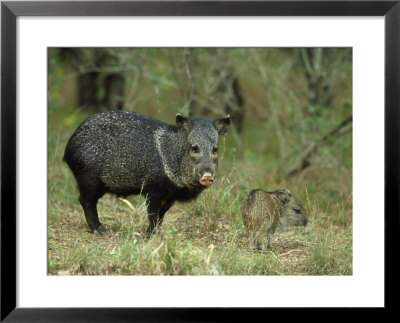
291, 110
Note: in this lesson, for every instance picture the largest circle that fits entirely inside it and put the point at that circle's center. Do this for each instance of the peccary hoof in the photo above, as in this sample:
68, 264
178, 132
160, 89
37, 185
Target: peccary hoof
97, 233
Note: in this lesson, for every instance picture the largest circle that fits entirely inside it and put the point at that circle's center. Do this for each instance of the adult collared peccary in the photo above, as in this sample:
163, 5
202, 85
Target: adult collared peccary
127, 153
263, 212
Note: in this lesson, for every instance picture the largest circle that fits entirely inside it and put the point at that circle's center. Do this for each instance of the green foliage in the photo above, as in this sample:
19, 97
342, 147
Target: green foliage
327, 259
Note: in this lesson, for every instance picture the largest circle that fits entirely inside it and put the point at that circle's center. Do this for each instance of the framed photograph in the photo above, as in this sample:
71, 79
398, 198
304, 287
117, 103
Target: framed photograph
111, 206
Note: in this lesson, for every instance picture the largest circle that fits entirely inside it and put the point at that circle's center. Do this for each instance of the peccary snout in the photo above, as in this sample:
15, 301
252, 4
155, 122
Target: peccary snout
207, 179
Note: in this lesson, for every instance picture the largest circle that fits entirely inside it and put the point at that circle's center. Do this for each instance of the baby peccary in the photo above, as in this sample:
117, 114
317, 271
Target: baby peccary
264, 211
127, 153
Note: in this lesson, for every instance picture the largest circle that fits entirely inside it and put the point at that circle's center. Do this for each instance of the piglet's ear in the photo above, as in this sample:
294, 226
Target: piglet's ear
222, 125
284, 195
184, 124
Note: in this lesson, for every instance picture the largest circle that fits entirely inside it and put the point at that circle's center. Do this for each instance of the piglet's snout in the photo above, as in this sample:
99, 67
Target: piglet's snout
207, 179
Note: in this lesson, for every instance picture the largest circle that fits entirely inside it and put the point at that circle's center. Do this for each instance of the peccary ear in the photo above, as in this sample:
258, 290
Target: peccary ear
284, 195
184, 124
222, 125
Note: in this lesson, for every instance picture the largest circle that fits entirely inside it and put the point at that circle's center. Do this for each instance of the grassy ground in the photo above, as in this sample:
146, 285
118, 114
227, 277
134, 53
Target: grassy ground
203, 237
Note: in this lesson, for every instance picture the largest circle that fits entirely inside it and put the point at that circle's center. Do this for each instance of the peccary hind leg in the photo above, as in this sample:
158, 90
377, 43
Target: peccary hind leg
90, 192
270, 234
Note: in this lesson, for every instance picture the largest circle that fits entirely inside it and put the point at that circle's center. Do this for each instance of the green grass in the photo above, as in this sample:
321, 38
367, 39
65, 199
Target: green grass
203, 237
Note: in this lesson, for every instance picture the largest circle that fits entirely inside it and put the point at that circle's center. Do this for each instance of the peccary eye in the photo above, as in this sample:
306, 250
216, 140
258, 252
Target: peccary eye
194, 149
215, 150
297, 211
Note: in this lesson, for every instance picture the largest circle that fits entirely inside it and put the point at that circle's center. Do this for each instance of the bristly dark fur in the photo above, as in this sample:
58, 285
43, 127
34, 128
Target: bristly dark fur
127, 153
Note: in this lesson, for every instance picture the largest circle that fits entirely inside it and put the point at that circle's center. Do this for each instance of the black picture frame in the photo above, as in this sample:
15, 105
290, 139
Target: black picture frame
11, 10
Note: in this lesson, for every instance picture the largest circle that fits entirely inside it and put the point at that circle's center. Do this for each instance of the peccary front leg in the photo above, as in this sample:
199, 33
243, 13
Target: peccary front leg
156, 209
